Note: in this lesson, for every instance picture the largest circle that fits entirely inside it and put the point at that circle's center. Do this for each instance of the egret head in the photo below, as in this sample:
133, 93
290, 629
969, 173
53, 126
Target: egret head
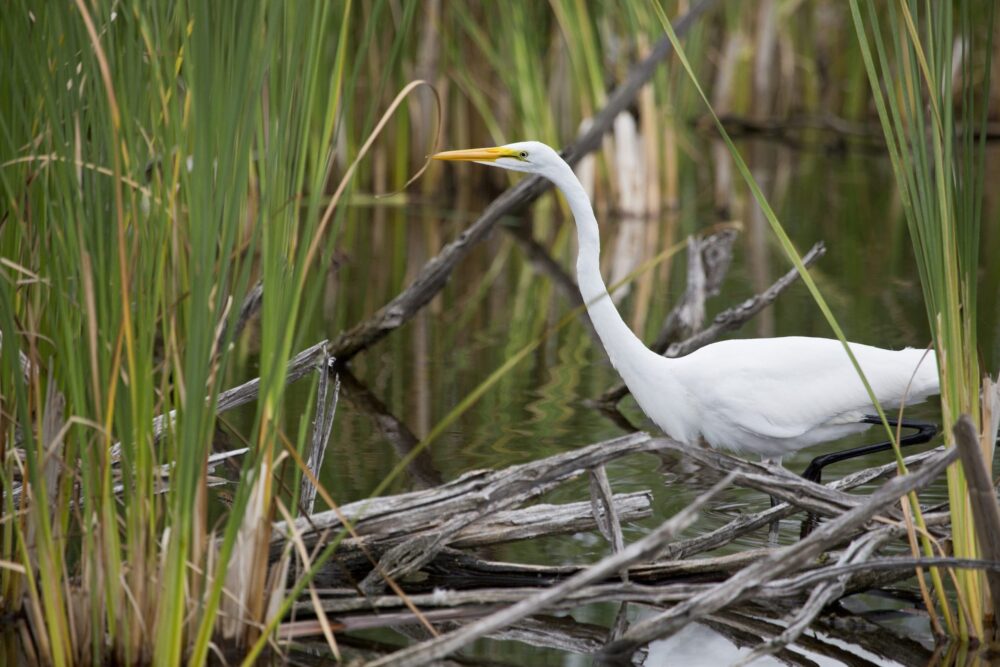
532, 157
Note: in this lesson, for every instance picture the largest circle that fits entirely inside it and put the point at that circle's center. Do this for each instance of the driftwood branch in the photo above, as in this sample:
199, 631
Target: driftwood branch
859, 576
779, 562
603, 506
982, 498
727, 320
514, 487
708, 261
435, 273
508, 526
440, 647
747, 523
826, 592
411, 512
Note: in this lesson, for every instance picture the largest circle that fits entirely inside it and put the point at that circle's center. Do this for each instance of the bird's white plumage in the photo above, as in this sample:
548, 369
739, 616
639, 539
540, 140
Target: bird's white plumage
776, 395
769, 396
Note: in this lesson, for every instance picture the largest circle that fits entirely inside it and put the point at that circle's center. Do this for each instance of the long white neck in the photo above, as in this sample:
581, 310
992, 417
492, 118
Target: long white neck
628, 354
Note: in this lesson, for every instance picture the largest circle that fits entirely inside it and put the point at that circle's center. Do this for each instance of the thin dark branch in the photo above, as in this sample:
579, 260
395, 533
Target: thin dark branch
435, 273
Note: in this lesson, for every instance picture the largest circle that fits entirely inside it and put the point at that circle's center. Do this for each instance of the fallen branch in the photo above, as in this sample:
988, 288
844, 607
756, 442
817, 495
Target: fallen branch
499, 528
513, 487
747, 523
823, 594
779, 562
439, 647
410, 512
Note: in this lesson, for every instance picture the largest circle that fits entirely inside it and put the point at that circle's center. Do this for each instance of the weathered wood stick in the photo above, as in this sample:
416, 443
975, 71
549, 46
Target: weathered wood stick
427, 652
404, 513
983, 499
858, 552
513, 525
779, 562
506, 493
747, 523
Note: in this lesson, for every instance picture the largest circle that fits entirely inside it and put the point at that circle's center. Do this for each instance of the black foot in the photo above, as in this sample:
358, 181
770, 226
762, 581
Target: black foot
924, 432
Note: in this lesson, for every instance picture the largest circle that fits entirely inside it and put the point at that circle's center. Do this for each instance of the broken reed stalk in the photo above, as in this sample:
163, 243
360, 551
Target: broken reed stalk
983, 501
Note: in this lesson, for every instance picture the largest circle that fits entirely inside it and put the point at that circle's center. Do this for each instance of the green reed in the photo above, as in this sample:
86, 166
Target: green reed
156, 160
934, 127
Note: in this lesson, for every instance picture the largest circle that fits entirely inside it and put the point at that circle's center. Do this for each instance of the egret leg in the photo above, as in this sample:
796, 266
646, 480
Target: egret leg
775, 527
924, 432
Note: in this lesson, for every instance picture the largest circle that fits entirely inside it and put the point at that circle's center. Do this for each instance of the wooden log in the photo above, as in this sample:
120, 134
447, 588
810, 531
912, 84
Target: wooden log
444, 645
409, 512
781, 561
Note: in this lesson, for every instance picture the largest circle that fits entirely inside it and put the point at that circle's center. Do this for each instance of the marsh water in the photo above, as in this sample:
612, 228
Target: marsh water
498, 301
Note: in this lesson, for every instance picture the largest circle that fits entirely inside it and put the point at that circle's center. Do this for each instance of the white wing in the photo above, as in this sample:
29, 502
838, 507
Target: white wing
749, 392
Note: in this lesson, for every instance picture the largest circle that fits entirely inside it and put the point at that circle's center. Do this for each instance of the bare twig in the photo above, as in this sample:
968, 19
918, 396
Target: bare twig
326, 408
604, 509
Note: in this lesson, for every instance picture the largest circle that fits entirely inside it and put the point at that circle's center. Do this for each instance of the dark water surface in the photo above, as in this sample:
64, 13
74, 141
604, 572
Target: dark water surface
497, 302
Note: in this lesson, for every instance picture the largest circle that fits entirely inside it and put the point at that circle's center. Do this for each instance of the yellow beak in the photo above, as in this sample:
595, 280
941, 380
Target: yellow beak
476, 154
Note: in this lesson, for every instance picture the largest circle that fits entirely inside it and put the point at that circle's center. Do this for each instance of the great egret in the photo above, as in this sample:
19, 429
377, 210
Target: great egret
769, 396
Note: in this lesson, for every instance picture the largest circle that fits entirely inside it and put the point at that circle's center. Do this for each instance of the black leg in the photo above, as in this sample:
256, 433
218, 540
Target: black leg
924, 432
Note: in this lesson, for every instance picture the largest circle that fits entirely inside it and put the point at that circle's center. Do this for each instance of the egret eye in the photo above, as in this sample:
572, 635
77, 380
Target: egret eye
523, 155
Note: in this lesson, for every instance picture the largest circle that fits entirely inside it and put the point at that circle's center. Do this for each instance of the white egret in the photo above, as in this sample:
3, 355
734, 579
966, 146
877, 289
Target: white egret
769, 396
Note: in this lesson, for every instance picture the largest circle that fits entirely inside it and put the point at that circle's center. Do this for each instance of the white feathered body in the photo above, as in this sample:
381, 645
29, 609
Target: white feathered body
772, 396
768, 396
